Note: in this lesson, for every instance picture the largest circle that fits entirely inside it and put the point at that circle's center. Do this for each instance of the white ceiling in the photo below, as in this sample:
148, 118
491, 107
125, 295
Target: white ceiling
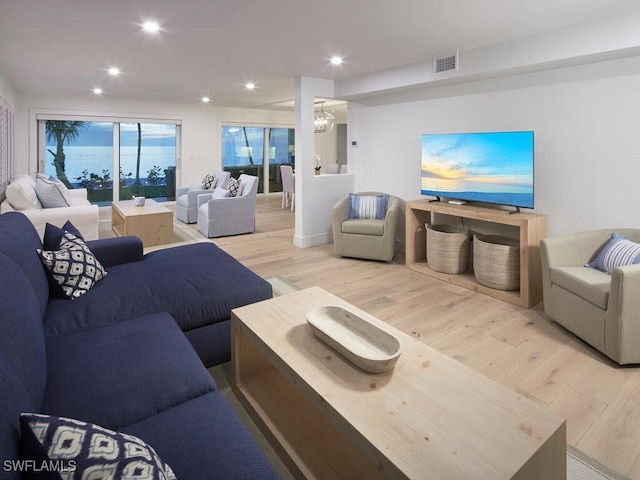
212, 47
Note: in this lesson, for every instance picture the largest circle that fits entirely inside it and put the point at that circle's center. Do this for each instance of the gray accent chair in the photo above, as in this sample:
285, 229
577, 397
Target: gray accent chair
601, 309
187, 197
367, 239
220, 217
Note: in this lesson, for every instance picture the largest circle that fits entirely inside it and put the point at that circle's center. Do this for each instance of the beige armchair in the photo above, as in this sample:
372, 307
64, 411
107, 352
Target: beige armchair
601, 309
363, 238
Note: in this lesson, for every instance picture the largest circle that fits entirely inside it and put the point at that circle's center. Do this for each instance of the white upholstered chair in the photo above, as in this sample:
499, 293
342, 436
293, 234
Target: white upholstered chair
220, 216
288, 186
187, 197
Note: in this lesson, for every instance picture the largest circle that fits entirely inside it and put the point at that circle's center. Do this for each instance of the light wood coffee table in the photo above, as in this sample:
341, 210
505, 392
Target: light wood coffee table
153, 222
429, 418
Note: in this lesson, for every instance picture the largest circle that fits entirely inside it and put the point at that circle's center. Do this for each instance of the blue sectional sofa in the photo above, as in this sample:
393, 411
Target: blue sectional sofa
127, 356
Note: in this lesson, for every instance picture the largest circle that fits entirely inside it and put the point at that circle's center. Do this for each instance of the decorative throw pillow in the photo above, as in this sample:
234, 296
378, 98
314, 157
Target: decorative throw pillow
53, 235
52, 193
368, 206
196, 186
73, 269
220, 193
209, 181
617, 252
234, 187
21, 193
85, 450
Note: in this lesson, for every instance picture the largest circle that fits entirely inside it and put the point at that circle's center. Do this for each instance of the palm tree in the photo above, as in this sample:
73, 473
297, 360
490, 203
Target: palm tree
137, 182
62, 132
246, 142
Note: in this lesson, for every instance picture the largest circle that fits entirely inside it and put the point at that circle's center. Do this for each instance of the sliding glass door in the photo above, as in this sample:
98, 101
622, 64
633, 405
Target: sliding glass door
80, 154
147, 160
258, 151
112, 160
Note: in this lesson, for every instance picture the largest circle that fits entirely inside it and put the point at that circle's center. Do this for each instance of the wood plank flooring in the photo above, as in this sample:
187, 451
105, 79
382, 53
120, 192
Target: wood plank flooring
519, 348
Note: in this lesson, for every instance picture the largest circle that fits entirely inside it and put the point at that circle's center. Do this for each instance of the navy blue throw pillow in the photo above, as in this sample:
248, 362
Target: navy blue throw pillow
53, 235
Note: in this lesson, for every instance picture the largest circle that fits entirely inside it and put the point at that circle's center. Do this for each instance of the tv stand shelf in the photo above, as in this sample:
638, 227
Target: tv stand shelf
532, 228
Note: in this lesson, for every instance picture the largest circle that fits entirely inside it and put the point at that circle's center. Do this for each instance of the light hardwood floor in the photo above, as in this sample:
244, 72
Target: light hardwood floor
519, 348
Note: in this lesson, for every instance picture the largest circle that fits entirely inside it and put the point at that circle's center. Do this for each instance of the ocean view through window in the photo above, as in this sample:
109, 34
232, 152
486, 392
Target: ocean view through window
139, 157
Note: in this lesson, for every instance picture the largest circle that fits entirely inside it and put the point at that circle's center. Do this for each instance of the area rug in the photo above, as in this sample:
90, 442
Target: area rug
583, 467
280, 287
579, 465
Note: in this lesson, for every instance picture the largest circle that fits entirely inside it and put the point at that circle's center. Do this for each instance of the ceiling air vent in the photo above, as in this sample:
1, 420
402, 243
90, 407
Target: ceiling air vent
447, 63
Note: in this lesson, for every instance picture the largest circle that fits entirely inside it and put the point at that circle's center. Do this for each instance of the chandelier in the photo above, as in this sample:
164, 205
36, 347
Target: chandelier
322, 120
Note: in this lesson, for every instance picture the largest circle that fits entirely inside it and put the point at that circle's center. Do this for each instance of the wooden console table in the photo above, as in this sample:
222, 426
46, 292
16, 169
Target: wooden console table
532, 228
431, 417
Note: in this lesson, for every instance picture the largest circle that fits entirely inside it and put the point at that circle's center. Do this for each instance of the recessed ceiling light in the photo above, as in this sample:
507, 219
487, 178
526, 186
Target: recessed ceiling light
336, 60
205, 99
250, 86
97, 91
151, 27
115, 71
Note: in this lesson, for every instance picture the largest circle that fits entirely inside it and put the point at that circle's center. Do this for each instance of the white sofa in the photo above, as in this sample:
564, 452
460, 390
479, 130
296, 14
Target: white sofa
21, 196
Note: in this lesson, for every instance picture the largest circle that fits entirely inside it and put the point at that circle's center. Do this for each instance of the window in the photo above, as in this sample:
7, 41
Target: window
147, 160
80, 154
139, 157
258, 151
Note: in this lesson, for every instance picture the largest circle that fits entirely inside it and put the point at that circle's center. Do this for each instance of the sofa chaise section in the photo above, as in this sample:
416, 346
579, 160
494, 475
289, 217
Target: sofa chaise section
197, 284
131, 372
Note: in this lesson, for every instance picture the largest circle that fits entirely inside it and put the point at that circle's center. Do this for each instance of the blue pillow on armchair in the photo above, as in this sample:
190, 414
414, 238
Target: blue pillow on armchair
368, 206
617, 252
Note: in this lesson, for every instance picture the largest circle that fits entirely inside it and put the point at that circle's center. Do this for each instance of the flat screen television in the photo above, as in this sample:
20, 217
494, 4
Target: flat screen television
488, 167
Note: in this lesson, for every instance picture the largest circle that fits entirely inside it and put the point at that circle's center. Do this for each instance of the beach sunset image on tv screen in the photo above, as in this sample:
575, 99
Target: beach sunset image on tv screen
491, 167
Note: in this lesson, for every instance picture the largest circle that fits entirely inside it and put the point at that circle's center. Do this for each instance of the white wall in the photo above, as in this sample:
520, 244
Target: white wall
315, 194
201, 127
587, 137
7, 95
6, 90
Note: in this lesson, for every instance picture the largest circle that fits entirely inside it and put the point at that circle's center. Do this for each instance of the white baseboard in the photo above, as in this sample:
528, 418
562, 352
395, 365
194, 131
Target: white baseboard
312, 240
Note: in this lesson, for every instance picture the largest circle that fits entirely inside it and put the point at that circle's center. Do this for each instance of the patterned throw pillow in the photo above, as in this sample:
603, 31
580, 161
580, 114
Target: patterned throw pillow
84, 450
617, 252
368, 206
73, 269
234, 187
209, 181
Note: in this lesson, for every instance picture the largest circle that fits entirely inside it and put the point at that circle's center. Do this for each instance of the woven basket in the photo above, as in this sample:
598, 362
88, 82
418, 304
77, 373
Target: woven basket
448, 248
496, 262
